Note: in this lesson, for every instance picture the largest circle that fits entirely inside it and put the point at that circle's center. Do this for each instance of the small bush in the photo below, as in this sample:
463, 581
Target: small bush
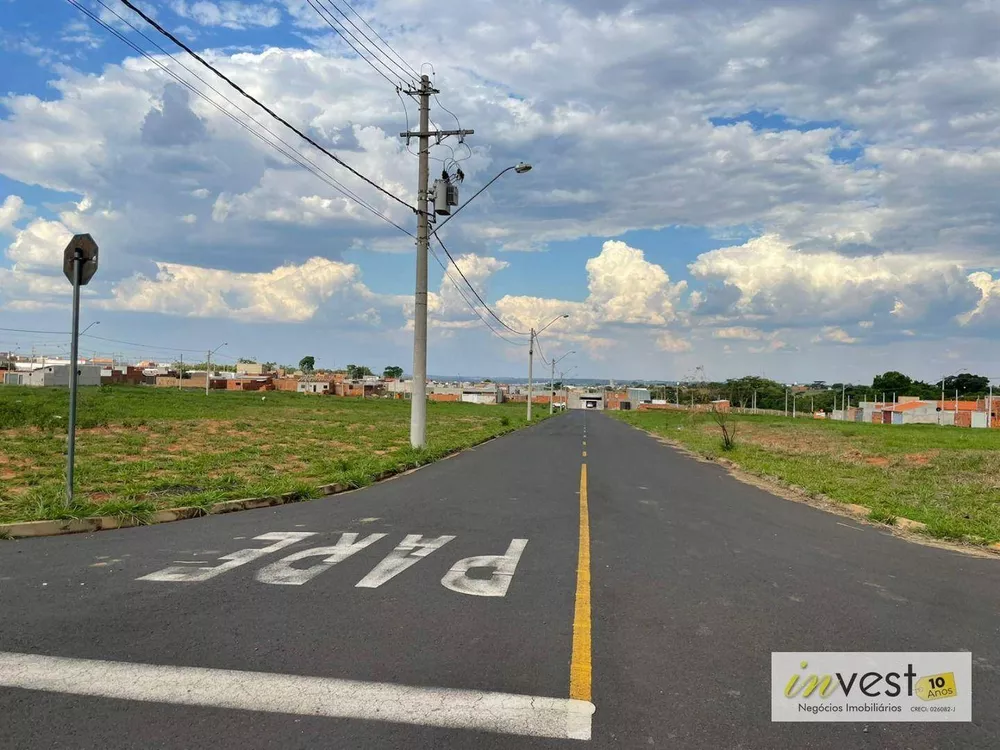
505, 421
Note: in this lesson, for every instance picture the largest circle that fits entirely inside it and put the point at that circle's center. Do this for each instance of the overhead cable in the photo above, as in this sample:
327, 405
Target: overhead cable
289, 151
152, 22
481, 300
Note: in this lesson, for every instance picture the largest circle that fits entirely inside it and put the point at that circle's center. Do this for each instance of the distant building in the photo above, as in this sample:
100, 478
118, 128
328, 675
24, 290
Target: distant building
585, 400
249, 368
56, 376
318, 387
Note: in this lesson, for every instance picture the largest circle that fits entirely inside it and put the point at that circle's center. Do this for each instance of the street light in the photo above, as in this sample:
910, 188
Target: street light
531, 354
552, 380
519, 168
208, 364
84, 331
418, 397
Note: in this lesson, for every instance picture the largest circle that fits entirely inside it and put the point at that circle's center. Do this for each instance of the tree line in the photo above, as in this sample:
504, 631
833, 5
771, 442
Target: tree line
819, 394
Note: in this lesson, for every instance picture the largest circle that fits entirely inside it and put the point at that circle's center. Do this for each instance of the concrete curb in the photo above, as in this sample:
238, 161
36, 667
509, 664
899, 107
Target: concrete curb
822, 502
26, 529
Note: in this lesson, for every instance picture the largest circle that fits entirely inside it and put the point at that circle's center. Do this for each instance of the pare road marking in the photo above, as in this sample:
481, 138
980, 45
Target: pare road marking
289, 571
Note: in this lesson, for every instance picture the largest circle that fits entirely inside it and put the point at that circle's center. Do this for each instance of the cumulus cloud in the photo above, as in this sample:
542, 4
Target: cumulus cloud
228, 13
857, 141
738, 332
670, 342
287, 294
788, 286
836, 335
10, 211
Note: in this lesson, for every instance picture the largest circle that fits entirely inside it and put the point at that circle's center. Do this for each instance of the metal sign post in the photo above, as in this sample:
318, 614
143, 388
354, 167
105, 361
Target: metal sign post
79, 265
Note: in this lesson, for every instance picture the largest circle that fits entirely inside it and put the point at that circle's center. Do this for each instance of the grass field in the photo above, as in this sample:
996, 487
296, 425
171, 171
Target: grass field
946, 477
139, 450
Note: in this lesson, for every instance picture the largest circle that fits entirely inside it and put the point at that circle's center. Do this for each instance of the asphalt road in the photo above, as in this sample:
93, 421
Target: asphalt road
696, 579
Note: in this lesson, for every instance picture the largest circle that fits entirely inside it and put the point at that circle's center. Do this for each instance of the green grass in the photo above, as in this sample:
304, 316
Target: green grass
946, 477
139, 450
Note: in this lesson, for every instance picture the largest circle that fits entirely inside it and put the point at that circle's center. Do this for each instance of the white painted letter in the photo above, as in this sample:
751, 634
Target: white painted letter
413, 548
187, 574
457, 578
282, 572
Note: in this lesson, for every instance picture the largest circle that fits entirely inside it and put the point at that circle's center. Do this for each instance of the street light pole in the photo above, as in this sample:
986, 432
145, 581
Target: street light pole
531, 355
552, 380
208, 365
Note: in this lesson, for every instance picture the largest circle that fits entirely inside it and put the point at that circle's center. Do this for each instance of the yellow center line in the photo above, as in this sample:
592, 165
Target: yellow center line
580, 665
585, 454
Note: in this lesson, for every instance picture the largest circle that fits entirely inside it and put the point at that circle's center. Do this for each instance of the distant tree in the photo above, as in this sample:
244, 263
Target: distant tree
892, 381
270, 366
393, 371
966, 383
307, 364
245, 361
357, 371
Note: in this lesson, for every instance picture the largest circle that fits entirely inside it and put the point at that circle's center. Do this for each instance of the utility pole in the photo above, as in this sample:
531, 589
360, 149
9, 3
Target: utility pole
180, 375
552, 387
418, 400
793, 405
531, 357
208, 370
786, 402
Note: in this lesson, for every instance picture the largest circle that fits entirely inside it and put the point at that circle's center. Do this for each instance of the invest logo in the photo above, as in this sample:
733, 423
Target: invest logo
871, 686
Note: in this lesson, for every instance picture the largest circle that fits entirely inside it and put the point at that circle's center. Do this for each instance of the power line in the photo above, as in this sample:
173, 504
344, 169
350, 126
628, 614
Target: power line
541, 354
271, 112
298, 158
481, 300
416, 75
469, 302
393, 68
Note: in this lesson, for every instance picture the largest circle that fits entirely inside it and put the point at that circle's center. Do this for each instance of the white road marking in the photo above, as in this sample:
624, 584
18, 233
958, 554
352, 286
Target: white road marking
412, 549
282, 571
281, 540
457, 578
502, 713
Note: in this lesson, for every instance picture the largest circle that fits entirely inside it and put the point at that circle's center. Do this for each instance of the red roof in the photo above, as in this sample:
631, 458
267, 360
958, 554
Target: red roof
907, 406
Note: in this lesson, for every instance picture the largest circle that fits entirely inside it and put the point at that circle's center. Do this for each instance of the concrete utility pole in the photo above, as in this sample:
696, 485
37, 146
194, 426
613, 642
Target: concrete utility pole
418, 399
786, 402
531, 357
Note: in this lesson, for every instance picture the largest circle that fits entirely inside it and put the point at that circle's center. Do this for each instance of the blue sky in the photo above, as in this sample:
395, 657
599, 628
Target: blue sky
801, 190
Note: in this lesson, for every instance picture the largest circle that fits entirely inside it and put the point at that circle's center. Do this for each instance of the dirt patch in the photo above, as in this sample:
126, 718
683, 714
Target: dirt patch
921, 459
880, 461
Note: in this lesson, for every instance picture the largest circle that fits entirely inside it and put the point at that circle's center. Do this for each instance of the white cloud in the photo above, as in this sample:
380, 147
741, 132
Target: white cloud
40, 245
672, 343
10, 211
738, 332
770, 279
836, 335
866, 323
228, 13
287, 294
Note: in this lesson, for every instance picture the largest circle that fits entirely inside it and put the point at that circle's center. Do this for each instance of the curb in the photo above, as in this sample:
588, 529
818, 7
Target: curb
88, 524
828, 504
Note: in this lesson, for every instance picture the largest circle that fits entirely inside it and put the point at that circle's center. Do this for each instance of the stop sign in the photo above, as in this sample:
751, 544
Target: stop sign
88, 254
